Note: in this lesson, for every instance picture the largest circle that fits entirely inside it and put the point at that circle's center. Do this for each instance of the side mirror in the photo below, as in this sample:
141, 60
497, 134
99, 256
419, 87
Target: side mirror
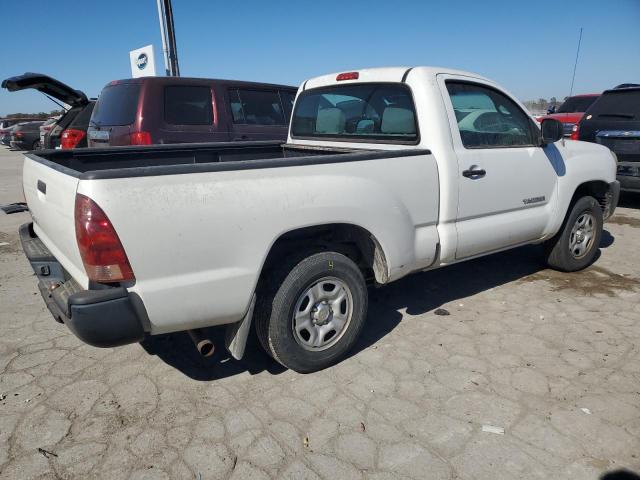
551, 109
552, 130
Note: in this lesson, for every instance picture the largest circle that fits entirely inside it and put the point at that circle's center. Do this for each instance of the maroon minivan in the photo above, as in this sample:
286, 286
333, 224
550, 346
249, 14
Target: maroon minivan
152, 110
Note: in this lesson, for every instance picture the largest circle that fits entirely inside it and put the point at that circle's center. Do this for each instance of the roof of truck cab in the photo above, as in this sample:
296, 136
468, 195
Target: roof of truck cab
386, 74
195, 80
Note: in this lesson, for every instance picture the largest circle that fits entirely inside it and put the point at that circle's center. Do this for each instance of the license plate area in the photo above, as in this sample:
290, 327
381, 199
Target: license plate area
99, 135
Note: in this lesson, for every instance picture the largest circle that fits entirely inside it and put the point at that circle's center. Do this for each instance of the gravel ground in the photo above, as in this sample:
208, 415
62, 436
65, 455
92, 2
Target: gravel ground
533, 374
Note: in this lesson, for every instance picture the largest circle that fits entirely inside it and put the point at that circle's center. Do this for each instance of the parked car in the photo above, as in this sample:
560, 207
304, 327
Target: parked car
9, 122
75, 119
571, 111
7, 125
5, 134
46, 128
26, 136
370, 187
152, 110
614, 121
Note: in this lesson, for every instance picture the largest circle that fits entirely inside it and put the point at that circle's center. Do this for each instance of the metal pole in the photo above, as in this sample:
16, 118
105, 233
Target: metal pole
171, 37
575, 64
165, 51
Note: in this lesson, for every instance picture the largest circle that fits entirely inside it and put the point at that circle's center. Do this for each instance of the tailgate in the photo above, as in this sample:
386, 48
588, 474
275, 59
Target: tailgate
50, 193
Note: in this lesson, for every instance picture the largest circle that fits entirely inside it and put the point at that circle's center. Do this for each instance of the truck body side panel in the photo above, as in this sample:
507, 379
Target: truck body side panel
197, 242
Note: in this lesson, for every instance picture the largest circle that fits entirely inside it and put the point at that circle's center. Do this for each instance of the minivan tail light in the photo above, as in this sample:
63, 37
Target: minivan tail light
140, 138
347, 76
102, 253
575, 132
18, 134
71, 138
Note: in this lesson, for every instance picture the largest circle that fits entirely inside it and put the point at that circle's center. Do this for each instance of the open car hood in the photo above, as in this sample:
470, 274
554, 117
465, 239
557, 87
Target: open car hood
47, 85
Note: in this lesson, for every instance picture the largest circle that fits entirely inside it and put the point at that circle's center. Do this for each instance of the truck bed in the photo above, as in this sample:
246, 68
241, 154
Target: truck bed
153, 160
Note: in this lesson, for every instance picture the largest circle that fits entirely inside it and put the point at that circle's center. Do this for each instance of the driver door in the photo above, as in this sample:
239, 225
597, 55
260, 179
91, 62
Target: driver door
506, 181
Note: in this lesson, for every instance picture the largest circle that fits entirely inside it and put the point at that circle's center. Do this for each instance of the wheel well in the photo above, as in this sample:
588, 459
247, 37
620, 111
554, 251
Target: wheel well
352, 241
596, 189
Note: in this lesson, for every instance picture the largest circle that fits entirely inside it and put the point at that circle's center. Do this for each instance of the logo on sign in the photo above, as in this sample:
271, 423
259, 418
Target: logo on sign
142, 61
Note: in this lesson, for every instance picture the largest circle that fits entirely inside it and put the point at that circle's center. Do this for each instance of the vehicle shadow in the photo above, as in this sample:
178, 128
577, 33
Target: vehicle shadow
629, 200
620, 475
416, 294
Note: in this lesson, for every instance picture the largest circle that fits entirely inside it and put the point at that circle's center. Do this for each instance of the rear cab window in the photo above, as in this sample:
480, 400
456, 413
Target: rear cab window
117, 104
188, 105
380, 112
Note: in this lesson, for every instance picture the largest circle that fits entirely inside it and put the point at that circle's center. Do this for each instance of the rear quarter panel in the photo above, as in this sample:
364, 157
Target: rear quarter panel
197, 242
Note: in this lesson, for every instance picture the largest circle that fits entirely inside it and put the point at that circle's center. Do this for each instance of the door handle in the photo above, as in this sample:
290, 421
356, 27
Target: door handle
243, 137
474, 172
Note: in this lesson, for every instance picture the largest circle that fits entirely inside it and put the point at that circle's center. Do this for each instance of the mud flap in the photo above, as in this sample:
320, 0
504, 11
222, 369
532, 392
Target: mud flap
14, 208
237, 333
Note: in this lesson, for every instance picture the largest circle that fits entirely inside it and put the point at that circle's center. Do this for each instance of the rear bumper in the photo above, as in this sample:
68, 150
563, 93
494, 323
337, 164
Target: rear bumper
108, 317
629, 176
18, 145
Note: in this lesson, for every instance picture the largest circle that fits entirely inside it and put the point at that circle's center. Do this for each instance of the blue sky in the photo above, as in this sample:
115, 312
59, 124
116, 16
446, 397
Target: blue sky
528, 47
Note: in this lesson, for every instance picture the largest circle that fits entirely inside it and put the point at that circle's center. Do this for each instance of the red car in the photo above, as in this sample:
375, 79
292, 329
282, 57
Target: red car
571, 111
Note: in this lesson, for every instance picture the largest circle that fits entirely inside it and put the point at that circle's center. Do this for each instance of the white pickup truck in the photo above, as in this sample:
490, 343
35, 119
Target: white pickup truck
385, 172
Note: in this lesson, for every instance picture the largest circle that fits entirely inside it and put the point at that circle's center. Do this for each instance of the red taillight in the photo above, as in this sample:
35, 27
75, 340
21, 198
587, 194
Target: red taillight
575, 132
71, 138
347, 76
102, 254
140, 138
18, 134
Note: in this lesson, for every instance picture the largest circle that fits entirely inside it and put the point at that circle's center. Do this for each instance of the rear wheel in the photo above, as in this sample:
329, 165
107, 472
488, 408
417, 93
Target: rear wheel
36, 145
314, 313
576, 245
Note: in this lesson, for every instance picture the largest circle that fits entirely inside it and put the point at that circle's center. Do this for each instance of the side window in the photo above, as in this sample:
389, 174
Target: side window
288, 98
236, 107
187, 105
256, 107
489, 119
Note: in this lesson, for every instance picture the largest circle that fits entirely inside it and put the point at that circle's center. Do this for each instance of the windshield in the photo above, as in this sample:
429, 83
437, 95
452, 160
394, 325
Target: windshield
576, 104
117, 105
380, 112
618, 103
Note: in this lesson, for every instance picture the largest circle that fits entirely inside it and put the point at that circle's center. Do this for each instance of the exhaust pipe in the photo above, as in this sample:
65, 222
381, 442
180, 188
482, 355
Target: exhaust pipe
204, 346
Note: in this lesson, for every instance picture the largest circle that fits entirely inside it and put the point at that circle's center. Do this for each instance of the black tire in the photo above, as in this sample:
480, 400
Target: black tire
280, 295
36, 145
558, 249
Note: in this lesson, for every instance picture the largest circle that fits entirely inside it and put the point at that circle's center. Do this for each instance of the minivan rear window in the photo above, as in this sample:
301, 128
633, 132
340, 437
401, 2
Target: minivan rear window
361, 112
188, 105
117, 105
622, 104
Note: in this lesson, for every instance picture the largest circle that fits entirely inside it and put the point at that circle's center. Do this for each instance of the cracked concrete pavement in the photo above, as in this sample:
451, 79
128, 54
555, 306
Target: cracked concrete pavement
553, 359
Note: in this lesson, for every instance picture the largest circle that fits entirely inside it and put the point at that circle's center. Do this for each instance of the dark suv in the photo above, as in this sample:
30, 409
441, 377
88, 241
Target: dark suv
70, 130
614, 121
154, 110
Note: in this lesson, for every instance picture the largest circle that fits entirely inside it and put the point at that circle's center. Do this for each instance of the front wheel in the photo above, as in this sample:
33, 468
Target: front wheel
575, 246
316, 314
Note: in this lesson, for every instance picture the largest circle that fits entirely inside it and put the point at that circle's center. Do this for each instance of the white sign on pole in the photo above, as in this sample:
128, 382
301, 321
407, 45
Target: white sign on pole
143, 62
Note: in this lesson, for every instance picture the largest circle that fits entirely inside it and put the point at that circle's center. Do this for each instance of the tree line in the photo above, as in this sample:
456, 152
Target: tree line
36, 116
542, 104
